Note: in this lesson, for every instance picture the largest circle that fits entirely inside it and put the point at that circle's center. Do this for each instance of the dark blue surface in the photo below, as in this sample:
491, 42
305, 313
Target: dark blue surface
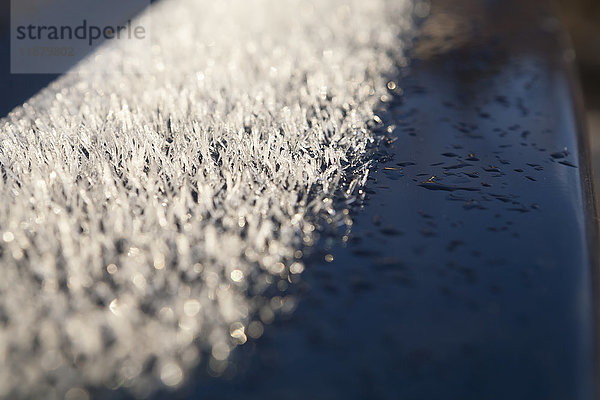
476, 284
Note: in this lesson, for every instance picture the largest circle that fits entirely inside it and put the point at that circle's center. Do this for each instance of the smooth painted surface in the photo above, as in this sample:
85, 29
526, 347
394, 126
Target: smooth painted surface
475, 284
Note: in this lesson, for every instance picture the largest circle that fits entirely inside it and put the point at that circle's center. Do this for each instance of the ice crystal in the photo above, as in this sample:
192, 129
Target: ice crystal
146, 207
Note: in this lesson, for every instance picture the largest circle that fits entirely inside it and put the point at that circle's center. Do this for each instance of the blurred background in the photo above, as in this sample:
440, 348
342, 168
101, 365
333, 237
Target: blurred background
582, 18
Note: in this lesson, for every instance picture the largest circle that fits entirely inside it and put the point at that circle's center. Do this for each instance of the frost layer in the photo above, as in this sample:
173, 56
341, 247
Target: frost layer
146, 208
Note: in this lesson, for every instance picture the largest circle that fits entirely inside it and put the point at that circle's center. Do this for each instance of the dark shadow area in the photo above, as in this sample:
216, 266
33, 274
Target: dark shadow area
15, 88
590, 76
590, 80
582, 18
18, 88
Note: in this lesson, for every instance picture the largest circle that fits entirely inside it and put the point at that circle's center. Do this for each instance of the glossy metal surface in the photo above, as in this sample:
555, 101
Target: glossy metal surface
476, 283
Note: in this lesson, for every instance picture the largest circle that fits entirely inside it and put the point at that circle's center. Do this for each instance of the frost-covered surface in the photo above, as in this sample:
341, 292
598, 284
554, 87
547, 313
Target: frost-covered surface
145, 208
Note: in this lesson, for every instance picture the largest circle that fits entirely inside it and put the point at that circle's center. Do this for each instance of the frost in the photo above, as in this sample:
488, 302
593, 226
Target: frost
141, 202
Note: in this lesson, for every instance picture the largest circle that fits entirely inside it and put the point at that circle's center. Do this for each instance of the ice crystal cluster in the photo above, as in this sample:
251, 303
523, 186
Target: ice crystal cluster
147, 206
